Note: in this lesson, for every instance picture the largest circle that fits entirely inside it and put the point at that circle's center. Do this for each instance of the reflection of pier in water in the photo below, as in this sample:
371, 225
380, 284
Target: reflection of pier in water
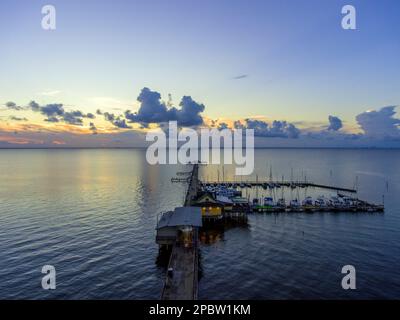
214, 234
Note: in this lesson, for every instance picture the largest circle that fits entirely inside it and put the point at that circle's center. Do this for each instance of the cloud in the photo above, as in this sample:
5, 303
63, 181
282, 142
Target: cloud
34, 106
278, 129
74, 118
52, 119
153, 110
51, 110
117, 121
223, 126
335, 123
239, 77
380, 123
379, 127
93, 128
109, 116
121, 123
189, 114
55, 112
14, 118
13, 106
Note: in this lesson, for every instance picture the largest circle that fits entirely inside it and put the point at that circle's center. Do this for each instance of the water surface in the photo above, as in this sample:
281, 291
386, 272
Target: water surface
92, 213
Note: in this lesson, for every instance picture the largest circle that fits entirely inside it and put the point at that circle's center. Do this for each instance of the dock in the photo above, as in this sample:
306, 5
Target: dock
352, 203
193, 187
181, 282
294, 184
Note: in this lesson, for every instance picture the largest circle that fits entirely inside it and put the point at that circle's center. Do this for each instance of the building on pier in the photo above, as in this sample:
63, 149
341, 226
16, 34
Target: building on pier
211, 208
179, 226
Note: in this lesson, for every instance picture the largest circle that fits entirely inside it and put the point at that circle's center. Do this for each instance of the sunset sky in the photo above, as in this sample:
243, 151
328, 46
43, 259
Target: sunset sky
113, 69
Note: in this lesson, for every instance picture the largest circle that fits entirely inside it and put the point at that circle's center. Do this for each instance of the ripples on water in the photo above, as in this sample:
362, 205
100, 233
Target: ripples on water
92, 213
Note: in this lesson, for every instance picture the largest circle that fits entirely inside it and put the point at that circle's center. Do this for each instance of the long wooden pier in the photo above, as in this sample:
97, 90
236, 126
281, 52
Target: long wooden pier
181, 282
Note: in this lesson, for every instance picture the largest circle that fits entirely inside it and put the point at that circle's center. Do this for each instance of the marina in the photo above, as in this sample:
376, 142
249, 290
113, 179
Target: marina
270, 196
211, 203
273, 184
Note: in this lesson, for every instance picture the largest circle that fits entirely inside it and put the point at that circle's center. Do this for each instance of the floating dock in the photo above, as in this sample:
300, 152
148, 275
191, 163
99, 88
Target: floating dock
370, 208
276, 184
351, 205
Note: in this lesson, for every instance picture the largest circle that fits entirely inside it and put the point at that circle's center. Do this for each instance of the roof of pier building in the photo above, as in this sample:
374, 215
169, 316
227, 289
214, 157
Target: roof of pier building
181, 216
207, 199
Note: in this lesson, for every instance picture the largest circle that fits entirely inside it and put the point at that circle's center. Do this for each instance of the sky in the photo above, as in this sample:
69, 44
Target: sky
111, 70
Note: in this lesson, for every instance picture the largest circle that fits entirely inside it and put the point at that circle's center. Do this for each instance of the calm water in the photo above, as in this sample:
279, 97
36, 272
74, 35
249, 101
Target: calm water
92, 213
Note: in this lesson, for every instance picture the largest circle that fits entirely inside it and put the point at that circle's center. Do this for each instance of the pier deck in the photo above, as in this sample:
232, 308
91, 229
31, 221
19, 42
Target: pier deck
183, 283
193, 186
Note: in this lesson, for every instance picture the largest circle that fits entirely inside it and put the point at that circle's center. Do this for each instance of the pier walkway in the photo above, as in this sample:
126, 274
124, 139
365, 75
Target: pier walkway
181, 282
193, 186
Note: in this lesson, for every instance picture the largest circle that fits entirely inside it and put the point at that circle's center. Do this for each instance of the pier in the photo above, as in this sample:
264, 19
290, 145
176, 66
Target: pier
193, 186
180, 230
